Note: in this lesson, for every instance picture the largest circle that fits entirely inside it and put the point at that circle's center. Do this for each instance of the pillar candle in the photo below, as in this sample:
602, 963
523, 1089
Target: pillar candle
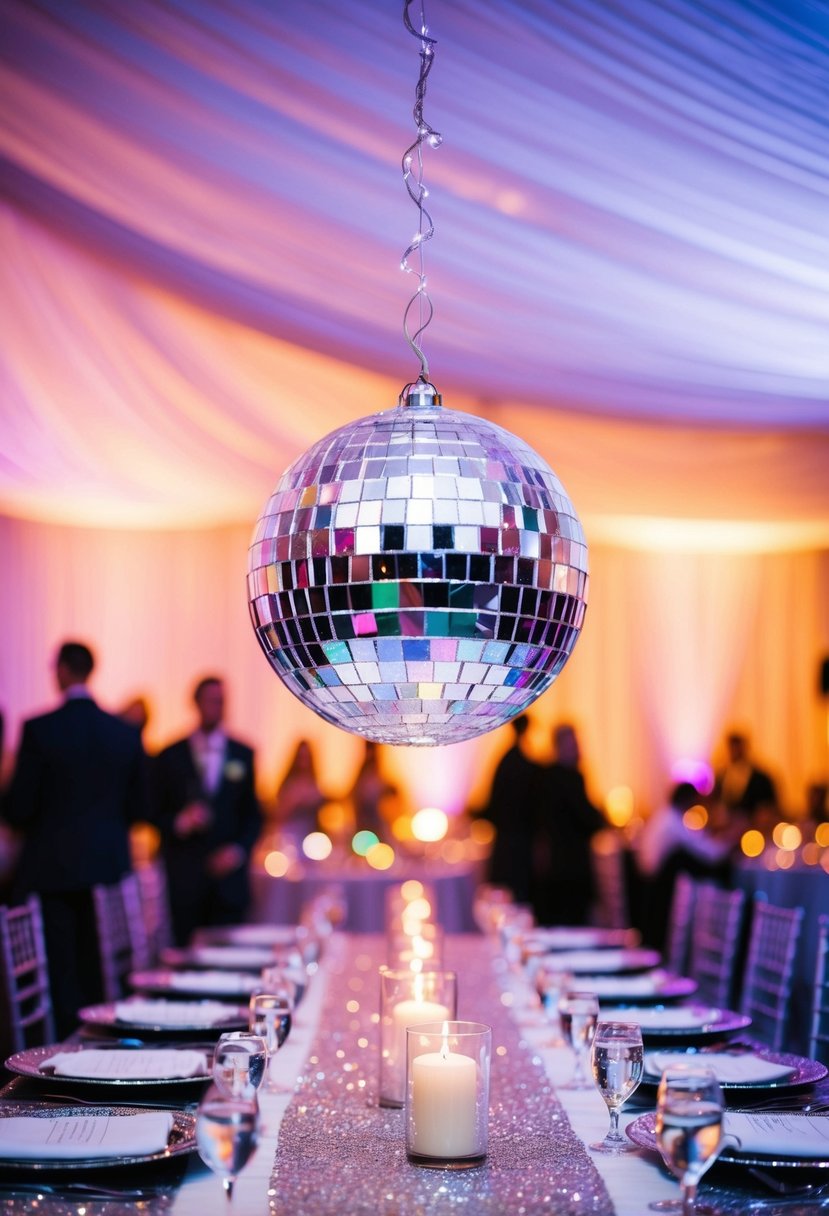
411, 1013
444, 1105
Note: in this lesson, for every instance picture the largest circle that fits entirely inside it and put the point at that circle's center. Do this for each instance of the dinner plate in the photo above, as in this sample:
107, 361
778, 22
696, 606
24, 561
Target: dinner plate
238, 958
247, 935
106, 1015
182, 1137
642, 1131
163, 982
802, 1071
565, 937
647, 988
662, 1025
30, 1061
607, 962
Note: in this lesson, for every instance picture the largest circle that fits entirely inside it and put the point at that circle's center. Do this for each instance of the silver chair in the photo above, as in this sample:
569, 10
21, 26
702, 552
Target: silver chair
680, 920
715, 942
24, 979
767, 987
610, 910
122, 939
155, 908
819, 1033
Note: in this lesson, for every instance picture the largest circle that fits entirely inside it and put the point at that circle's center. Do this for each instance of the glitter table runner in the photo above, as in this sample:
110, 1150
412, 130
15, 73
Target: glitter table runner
339, 1152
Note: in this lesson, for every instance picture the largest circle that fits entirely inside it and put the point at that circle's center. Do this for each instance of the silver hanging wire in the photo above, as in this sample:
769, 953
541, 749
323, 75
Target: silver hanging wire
419, 307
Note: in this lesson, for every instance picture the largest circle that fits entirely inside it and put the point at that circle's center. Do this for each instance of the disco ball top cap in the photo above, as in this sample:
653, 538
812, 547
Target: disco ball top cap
418, 576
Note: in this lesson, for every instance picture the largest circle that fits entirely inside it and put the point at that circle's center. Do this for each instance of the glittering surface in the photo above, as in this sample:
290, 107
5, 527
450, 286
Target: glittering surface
418, 576
339, 1152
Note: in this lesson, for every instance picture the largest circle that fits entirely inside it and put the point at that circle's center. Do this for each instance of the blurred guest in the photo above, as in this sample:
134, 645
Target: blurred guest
511, 810
744, 788
136, 712
205, 807
667, 846
566, 819
368, 793
79, 782
299, 798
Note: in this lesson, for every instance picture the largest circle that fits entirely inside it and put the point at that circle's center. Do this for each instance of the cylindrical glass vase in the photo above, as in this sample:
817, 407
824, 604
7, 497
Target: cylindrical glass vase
423, 948
408, 998
447, 1094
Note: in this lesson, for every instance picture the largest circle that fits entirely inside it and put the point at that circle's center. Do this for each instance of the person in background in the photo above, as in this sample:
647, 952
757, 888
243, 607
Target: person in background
745, 790
79, 783
206, 810
137, 713
299, 797
368, 793
511, 811
566, 819
667, 846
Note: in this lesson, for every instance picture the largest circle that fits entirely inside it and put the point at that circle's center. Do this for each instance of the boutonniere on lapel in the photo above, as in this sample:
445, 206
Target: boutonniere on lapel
234, 770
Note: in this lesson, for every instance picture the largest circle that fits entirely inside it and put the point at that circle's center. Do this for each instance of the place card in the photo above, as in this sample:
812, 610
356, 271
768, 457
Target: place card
212, 981
745, 1068
115, 1064
84, 1137
191, 1014
778, 1132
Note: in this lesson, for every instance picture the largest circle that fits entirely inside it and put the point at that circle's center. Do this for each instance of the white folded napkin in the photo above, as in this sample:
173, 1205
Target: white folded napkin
730, 1069
194, 1014
623, 986
213, 981
232, 956
679, 1018
148, 1063
84, 1137
771, 1132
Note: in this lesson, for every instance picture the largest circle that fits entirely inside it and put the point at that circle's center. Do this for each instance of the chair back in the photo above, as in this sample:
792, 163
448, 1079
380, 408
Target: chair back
607, 863
715, 942
819, 1033
24, 979
767, 987
680, 919
155, 908
122, 940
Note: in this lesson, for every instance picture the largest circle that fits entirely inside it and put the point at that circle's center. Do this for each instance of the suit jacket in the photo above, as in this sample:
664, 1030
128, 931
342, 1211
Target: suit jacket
236, 815
79, 782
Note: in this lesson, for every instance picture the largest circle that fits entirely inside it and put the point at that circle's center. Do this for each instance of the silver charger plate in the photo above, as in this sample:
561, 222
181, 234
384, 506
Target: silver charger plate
28, 1063
722, 1024
105, 1015
607, 961
642, 1132
804, 1071
182, 1137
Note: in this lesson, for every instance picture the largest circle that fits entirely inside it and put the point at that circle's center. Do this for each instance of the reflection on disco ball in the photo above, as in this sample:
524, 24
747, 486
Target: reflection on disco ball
418, 576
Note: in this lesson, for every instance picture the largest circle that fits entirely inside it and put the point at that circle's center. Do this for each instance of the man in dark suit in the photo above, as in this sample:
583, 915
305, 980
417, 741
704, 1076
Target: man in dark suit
79, 782
745, 789
206, 809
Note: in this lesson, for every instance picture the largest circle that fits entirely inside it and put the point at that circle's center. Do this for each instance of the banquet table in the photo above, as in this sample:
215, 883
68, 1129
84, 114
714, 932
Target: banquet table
328, 1148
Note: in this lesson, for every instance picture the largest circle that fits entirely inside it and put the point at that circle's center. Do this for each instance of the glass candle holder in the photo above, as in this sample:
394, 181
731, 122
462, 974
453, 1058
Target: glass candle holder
409, 901
423, 948
408, 998
447, 1094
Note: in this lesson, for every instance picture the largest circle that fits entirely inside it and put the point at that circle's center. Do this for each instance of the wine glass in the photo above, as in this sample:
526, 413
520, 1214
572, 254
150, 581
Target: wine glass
689, 1111
551, 983
618, 1060
227, 1132
579, 1013
239, 1061
270, 1017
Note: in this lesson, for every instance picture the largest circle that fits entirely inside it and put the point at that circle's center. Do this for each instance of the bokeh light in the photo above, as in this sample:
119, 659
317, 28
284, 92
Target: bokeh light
317, 846
752, 843
787, 836
822, 835
430, 824
695, 818
362, 841
380, 856
411, 889
482, 831
619, 805
277, 864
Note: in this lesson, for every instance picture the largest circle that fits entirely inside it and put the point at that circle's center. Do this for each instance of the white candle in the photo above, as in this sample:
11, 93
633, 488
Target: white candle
411, 1013
444, 1102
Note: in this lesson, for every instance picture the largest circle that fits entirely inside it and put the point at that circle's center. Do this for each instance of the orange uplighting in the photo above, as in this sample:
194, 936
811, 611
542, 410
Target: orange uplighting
317, 846
619, 805
277, 864
787, 836
752, 843
695, 818
380, 856
430, 824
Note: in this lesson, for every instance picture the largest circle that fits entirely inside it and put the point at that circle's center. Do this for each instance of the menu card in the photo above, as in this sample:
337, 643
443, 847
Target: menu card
213, 981
623, 985
84, 1137
679, 1018
232, 956
744, 1068
137, 1064
778, 1132
192, 1014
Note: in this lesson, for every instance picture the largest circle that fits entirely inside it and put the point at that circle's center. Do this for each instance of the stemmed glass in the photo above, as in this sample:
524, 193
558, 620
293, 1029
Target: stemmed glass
227, 1132
579, 1013
270, 1017
239, 1061
618, 1060
689, 1111
551, 984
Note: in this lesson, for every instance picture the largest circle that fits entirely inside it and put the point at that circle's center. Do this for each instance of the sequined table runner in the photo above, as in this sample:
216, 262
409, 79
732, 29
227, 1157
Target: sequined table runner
339, 1152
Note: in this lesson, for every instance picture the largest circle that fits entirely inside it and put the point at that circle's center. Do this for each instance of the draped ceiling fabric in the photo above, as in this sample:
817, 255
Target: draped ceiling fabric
201, 228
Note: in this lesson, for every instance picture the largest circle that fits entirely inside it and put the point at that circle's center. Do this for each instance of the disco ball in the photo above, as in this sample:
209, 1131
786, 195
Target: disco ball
418, 576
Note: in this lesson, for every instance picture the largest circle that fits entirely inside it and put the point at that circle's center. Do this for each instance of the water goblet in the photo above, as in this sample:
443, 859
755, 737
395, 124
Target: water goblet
239, 1061
551, 983
618, 1059
227, 1132
689, 1112
579, 1014
270, 1017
